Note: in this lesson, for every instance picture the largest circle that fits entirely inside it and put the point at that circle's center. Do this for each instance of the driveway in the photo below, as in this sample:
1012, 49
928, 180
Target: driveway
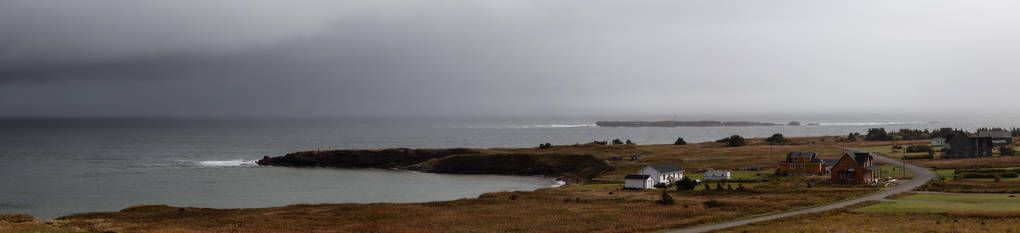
921, 176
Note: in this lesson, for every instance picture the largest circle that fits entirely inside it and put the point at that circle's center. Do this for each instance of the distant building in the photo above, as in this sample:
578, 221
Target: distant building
999, 137
855, 168
636, 181
717, 175
663, 173
802, 163
960, 145
938, 141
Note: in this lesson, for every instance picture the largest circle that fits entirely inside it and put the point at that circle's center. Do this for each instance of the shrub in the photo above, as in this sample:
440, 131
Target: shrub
718, 186
1007, 150
733, 141
545, 146
680, 142
777, 139
600, 142
686, 184
877, 134
919, 148
617, 142
740, 186
712, 204
629, 142
513, 197
708, 187
666, 199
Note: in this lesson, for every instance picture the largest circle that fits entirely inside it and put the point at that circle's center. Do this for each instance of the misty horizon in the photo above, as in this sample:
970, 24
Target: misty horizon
464, 59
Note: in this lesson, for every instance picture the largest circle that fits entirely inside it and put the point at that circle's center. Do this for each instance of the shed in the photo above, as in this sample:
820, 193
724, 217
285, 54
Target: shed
637, 181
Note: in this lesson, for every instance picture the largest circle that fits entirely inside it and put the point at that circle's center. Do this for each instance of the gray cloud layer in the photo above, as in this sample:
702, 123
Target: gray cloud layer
478, 58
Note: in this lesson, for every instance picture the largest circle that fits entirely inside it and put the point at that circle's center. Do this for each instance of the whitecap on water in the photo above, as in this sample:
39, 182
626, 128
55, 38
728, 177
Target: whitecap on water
228, 163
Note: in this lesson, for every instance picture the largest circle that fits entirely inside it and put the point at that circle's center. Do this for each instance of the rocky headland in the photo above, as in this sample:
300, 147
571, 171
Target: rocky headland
567, 167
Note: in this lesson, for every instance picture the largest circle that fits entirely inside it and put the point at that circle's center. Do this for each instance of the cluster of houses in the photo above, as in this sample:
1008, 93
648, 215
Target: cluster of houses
851, 168
961, 145
664, 174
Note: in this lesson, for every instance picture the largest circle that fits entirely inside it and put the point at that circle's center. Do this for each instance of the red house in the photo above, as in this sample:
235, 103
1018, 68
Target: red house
855, 168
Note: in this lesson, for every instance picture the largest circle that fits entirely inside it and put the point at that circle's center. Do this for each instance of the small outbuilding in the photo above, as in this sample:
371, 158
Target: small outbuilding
717, 175
637, 181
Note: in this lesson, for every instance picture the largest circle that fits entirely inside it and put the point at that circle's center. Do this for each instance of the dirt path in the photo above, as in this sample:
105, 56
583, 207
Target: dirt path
921, 176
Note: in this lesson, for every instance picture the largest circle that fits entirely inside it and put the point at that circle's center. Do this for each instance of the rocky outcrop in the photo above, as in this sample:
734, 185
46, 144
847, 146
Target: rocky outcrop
385, 158
571, 167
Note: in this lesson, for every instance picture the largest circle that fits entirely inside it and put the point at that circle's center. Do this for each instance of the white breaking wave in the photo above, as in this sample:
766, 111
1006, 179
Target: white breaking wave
558, 184
560, 126
228, 163
874, 123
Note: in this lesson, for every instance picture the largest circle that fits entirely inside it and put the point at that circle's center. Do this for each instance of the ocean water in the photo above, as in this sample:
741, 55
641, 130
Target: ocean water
55, 167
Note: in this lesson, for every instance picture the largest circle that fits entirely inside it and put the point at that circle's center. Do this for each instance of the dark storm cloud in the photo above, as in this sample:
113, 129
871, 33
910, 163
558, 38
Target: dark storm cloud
455, 58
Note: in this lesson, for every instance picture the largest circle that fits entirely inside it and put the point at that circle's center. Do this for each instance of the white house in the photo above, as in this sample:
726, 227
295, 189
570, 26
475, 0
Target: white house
635, 181
939, 141
717, 175
663, 173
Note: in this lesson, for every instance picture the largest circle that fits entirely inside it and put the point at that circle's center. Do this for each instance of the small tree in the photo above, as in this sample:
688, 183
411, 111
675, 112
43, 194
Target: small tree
617, 142
680, 142
729, 187
686, 184
666, 199
1007, 150
629, 142
733, 141
545, 146
777, 139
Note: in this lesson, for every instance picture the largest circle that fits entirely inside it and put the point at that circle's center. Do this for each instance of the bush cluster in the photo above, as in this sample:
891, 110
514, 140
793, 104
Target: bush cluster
733, 141
777, 139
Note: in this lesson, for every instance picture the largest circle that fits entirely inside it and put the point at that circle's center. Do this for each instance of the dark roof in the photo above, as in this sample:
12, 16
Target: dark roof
859, 157
994, 134
873, 167
791, 155
830, 162
636, 176
666, 167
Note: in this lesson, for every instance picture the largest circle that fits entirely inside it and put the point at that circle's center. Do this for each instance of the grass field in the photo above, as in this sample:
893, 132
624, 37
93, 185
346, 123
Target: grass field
964, 198
848, 220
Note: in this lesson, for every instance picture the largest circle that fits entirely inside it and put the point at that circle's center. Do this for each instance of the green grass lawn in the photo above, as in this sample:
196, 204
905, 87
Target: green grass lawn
888, 151
738, 175
895, 171
939, 203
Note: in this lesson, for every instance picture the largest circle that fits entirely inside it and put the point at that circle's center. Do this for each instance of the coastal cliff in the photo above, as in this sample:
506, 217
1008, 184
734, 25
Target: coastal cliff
569, 167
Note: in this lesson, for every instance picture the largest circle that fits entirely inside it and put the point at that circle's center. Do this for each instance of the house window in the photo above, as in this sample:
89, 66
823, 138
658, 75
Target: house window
792, 166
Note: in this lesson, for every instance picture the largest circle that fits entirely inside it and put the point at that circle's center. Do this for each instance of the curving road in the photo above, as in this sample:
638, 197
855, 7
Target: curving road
921, 176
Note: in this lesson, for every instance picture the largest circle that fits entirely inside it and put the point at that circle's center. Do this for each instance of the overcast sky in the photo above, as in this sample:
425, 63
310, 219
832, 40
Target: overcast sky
369, 58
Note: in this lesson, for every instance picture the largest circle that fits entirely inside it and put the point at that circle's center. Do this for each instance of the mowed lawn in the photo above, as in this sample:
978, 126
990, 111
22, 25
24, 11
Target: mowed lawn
941, 203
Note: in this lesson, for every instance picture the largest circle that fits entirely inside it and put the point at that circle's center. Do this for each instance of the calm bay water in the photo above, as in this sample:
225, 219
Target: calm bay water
55, 167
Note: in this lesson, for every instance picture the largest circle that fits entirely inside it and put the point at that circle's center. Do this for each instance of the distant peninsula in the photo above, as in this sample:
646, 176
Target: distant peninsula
685, 123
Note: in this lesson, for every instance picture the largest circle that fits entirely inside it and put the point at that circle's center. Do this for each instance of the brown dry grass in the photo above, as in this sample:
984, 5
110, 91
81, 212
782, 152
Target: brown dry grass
985, 162
845, 220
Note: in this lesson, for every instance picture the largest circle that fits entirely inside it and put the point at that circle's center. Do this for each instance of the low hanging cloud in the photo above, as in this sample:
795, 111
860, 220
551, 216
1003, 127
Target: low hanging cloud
480, 58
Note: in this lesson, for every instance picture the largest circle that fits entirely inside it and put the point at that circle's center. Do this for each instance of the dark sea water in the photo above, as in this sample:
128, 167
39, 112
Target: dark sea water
56, 167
